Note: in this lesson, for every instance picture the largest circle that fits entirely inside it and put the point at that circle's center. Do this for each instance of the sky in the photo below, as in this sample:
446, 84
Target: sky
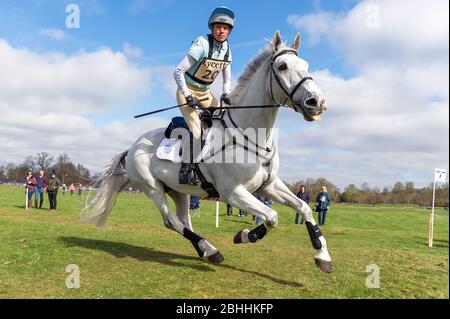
382, 65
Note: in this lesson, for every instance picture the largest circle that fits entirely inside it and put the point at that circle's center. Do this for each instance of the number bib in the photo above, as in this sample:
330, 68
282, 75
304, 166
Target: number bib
209, 68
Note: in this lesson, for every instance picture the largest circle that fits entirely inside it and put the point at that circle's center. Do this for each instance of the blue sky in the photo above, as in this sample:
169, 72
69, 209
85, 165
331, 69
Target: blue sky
163, 31
385, 76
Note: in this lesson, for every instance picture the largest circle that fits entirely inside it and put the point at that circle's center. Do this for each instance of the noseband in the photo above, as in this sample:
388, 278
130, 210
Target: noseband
274, 74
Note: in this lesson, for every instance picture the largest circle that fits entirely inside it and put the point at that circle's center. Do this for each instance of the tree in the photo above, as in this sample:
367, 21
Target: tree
61, 163
350, 193
29, 163
44, 160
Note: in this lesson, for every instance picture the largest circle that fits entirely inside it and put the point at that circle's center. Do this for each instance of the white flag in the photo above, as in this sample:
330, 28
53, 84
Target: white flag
440, 175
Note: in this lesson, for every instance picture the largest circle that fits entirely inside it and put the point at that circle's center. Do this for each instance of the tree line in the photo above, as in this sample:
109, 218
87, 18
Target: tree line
66, 170
400, 193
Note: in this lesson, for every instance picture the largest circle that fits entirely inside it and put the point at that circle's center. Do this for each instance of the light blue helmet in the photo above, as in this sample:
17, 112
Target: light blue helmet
222, 15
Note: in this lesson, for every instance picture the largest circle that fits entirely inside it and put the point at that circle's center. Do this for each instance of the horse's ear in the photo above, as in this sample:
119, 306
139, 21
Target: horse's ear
296, 43
277, 41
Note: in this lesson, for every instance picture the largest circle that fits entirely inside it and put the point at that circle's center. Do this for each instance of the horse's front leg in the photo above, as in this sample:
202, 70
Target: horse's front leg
243, 199
280, 193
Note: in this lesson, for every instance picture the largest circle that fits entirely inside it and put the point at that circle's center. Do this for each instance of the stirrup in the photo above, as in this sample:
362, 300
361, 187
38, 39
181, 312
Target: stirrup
187, 175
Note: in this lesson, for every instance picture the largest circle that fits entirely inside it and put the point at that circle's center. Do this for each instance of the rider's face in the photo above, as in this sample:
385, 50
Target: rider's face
221, 32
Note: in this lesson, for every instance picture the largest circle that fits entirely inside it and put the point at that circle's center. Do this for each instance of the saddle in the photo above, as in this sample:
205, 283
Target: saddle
170, 148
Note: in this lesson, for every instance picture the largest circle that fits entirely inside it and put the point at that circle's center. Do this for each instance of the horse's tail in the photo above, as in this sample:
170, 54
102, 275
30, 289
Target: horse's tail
107, 187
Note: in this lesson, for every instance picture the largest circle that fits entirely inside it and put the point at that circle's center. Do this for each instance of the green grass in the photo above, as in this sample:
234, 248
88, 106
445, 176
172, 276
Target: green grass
135, 256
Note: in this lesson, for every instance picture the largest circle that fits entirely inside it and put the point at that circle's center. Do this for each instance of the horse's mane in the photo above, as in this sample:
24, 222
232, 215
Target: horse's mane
251, 69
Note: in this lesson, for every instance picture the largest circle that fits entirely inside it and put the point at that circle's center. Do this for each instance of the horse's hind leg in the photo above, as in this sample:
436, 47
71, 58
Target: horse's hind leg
171, 221
280, 193
182, 205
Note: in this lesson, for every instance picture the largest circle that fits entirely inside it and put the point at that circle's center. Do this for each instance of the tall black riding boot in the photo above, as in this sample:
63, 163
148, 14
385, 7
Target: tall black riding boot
187, 174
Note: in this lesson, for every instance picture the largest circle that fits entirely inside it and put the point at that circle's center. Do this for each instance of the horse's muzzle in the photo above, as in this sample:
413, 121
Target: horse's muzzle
313, 108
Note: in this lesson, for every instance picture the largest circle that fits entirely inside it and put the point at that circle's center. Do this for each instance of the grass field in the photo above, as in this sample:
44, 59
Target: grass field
135, 256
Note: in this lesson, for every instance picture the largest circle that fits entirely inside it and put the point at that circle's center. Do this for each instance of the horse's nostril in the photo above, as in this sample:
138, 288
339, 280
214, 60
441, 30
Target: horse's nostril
312, 102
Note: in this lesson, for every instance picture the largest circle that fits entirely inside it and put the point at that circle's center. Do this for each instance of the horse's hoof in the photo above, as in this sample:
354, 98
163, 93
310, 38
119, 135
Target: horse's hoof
324, 265
217, 258
240, 237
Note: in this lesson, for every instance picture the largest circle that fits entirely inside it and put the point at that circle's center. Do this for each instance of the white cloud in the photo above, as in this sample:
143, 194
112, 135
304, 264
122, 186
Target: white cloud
382, 31
317, 25
55, 34
390, 122
46, 100
132, 52
86, 82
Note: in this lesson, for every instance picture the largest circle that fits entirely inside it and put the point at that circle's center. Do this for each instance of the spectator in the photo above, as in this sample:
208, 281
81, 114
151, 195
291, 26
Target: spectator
242, 213
31, 186
71, 188
42, 183
52, 189
322, 203
80, 189
229, 210
304, 196
64, 188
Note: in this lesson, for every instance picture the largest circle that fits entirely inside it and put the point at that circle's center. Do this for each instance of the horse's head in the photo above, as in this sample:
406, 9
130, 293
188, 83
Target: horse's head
290, 83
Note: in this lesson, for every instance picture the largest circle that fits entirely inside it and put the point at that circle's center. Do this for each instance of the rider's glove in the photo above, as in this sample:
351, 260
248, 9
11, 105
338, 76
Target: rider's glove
225, 98
192, 101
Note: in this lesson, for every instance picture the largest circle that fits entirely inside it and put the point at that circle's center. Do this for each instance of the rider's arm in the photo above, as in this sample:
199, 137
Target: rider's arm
226, 74
185, 65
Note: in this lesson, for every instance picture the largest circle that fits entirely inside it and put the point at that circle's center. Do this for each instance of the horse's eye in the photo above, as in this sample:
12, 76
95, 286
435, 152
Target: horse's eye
282, 67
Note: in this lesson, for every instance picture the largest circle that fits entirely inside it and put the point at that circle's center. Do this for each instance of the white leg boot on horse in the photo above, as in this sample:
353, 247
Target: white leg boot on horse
280, 193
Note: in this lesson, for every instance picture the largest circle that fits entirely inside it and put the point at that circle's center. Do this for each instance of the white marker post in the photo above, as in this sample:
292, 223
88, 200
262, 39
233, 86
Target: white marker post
440, 175
217, 214
26, 199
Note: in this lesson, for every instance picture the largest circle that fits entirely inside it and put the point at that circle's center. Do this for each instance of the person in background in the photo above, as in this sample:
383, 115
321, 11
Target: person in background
42, 183
80, 189
52, 190
31, 186
64, 187
229, 210
304, 196
322, 203
71, 188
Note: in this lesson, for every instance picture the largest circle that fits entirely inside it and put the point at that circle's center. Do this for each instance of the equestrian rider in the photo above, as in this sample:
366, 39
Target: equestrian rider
208, 56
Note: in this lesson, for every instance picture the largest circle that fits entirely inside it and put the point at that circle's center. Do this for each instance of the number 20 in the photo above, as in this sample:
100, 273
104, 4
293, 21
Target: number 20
210, 75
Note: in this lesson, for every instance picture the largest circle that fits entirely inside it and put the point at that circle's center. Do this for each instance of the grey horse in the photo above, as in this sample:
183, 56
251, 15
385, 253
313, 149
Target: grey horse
276, 76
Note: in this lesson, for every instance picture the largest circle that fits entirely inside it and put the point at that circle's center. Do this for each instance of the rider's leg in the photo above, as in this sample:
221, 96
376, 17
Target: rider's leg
192, 147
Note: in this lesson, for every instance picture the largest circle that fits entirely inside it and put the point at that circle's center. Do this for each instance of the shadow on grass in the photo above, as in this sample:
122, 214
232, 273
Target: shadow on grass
121, 250
275, 280
436, 242
238, 221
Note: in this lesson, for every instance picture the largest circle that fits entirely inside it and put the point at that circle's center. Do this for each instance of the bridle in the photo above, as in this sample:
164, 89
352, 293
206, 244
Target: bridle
290, 95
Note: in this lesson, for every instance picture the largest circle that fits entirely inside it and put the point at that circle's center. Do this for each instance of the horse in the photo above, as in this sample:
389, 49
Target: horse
277, 77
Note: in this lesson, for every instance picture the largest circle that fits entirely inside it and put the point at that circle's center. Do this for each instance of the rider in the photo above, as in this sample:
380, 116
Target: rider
208, 56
